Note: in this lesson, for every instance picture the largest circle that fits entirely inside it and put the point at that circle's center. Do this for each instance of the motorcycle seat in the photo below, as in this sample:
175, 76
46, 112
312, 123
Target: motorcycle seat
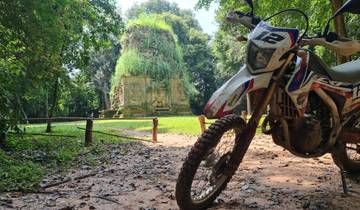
348, 72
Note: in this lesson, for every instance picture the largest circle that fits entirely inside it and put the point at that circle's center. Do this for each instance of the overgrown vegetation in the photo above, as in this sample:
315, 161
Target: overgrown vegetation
193, 42
149, 49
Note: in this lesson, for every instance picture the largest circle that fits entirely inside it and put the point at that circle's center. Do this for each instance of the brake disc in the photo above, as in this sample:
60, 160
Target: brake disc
219, 168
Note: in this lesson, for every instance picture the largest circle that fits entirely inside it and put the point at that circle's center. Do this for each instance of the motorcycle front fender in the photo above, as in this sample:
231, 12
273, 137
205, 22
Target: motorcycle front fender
229, 95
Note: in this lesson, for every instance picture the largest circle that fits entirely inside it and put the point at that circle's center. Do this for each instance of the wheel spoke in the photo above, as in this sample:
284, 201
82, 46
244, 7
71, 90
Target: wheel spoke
203, 172
208, 176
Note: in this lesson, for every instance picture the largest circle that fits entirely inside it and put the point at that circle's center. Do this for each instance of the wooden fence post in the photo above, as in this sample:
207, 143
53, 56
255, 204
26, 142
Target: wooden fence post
88, 132
154, 130
201, 119
2, 139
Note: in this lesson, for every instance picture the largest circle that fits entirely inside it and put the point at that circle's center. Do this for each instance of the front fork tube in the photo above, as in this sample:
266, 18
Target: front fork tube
243, 140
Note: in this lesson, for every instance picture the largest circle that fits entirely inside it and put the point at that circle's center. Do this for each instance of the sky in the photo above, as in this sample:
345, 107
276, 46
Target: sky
205, 17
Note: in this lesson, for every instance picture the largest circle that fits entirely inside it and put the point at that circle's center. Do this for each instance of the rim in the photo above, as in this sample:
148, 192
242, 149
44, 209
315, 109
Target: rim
209, 176
353, 150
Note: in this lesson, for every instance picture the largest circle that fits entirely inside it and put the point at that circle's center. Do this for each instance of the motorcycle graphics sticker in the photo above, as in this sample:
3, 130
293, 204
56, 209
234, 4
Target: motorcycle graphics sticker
356, 93
272, 38
274, 43
229, 95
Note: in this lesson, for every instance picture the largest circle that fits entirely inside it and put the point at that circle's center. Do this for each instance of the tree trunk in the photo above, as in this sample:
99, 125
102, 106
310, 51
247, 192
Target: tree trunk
53, 105
22, 109
106, 99
339, 22
47, 105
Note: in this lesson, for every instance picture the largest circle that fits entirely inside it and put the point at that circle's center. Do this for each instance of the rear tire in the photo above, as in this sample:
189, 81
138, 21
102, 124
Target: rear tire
344, 158
203, 150
348, 155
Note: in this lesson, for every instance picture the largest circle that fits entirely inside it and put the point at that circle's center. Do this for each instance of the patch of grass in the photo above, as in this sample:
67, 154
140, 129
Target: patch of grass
187, 125
72, 129
27, 159
18, 174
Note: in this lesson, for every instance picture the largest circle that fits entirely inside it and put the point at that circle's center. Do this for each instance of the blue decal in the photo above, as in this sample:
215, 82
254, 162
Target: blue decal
295, 32
295, 84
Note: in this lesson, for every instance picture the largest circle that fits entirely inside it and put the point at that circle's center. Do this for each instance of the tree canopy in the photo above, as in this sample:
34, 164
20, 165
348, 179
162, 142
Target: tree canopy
153, 7
43, 41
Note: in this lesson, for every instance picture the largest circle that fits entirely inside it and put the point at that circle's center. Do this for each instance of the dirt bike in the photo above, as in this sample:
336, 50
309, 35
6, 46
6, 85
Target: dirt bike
311, 109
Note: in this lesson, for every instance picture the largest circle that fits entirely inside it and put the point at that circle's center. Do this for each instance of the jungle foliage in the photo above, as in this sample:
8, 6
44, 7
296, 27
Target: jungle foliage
45, 46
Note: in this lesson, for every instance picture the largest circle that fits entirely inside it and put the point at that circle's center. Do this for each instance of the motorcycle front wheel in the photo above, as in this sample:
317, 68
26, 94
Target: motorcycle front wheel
207, 169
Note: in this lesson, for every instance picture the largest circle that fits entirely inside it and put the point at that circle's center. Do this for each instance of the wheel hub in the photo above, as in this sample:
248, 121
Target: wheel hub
219, 168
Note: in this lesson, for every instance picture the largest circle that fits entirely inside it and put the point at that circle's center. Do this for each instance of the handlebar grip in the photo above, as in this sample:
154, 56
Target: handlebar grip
331, 36
256, 20
246, 19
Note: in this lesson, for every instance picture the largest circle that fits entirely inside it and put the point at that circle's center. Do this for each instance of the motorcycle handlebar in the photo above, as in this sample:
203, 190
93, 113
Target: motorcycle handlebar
344, 47
246, 19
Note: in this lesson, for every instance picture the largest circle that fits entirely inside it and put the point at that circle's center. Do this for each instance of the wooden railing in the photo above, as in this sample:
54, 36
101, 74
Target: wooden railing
88, 128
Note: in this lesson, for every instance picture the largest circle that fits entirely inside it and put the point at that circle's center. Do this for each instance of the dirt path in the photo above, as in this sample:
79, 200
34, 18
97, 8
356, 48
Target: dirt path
142, 176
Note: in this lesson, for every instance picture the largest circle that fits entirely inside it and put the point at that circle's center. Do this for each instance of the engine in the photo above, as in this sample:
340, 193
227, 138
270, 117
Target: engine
306, 134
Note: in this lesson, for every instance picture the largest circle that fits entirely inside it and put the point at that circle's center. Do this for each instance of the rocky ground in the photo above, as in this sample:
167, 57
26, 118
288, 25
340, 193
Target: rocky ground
142, 176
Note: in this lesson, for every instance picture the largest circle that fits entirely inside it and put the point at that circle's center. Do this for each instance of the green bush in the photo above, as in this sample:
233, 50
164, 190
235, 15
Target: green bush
28, 158
18, 174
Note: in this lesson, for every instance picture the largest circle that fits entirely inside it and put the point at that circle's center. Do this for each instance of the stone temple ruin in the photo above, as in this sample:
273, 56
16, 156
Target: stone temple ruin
150, 73
142, 96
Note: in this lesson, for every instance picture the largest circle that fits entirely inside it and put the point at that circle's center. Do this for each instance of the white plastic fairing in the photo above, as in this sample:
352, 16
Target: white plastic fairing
229, 95
266, 37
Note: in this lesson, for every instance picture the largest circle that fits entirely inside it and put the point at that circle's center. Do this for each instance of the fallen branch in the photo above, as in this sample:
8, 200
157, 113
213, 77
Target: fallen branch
45, 192
56, 183
108, 199
69, 179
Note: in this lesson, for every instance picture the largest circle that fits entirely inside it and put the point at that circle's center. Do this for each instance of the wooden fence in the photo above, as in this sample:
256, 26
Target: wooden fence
88, 128
90, 124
